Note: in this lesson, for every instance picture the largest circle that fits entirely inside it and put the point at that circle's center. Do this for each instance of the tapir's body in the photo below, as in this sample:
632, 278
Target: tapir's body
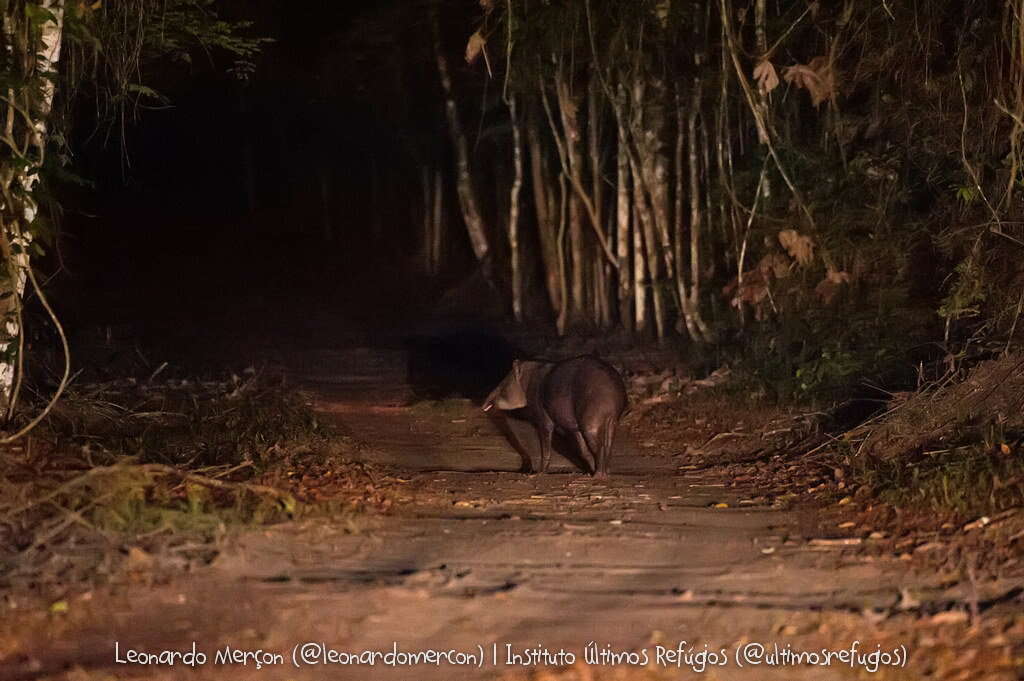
582, 396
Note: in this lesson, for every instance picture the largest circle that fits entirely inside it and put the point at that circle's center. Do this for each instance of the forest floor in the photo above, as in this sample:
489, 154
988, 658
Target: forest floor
708, 537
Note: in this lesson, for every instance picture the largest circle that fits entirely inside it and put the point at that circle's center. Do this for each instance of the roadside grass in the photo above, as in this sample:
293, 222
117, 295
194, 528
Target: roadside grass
955, 445
970, 480
129, 468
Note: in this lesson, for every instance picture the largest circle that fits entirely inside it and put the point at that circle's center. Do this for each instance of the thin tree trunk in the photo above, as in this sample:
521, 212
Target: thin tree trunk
696, 222
427, 227
681, 175
544, 206
562, 144
640, 269
15, 237
761, 36
464, 179
563, 312
513, 213
622, 227
594, 134
437, 224
430, 221
568, 108
646, 221
649, 127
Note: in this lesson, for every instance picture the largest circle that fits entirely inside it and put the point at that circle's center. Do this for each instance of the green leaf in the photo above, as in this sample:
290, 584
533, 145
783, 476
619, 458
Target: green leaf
146, 91
39, 16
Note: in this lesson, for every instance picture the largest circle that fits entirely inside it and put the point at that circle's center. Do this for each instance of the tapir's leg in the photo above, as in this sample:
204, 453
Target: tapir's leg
545, 429
608, 436
588, 454
600, 441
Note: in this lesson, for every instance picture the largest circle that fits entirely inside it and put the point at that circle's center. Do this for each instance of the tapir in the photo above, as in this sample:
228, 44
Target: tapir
582, 396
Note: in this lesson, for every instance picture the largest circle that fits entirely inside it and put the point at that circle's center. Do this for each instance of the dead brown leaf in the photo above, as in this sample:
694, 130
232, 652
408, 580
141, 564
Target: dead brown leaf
139, 560
817, 76
766, 76
830, 286
755, 289
799, 247
776, 264
475, 47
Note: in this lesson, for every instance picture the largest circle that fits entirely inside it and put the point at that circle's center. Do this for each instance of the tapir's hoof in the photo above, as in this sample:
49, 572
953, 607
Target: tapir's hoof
600, 475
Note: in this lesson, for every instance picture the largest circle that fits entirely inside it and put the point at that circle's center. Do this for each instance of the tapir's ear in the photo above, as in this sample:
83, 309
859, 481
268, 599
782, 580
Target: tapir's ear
517, 368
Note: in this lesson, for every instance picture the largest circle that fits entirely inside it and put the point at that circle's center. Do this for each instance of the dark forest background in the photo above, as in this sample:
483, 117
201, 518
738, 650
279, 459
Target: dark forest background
826, 193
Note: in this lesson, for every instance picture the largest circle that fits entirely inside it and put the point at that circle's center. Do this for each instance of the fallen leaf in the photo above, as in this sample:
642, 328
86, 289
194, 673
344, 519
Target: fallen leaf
816, 76
830, 286
475, 46
949, 617
766, 76
139, 559
799, 246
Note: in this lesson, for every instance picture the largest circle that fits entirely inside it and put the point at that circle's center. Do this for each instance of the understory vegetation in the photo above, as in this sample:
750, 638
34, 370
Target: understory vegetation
828, 192
128, 469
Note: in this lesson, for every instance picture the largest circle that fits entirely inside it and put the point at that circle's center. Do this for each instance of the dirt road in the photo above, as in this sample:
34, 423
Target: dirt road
506, 575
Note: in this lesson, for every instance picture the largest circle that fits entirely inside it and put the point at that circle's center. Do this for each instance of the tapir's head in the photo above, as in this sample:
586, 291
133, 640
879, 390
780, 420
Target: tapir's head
511, 392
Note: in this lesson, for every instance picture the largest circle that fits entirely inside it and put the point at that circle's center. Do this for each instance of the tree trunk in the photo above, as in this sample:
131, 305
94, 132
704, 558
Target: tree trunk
761, 36
646, 222
649, 209
21, 178
544, 206
696, 222
437, 223
513, 214
640, 281
464, 179
602, 311
623, 209
431, 240
682, 174
572, 157
563, 313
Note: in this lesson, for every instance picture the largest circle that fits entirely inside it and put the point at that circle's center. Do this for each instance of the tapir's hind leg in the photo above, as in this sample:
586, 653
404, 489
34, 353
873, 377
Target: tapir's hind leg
600, 441
545, 429
587, 452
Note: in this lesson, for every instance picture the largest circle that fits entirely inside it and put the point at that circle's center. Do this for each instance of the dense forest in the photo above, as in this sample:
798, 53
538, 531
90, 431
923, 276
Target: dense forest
835, 183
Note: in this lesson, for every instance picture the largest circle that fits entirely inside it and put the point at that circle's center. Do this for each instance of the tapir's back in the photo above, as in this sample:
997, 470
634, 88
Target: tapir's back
584, 392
